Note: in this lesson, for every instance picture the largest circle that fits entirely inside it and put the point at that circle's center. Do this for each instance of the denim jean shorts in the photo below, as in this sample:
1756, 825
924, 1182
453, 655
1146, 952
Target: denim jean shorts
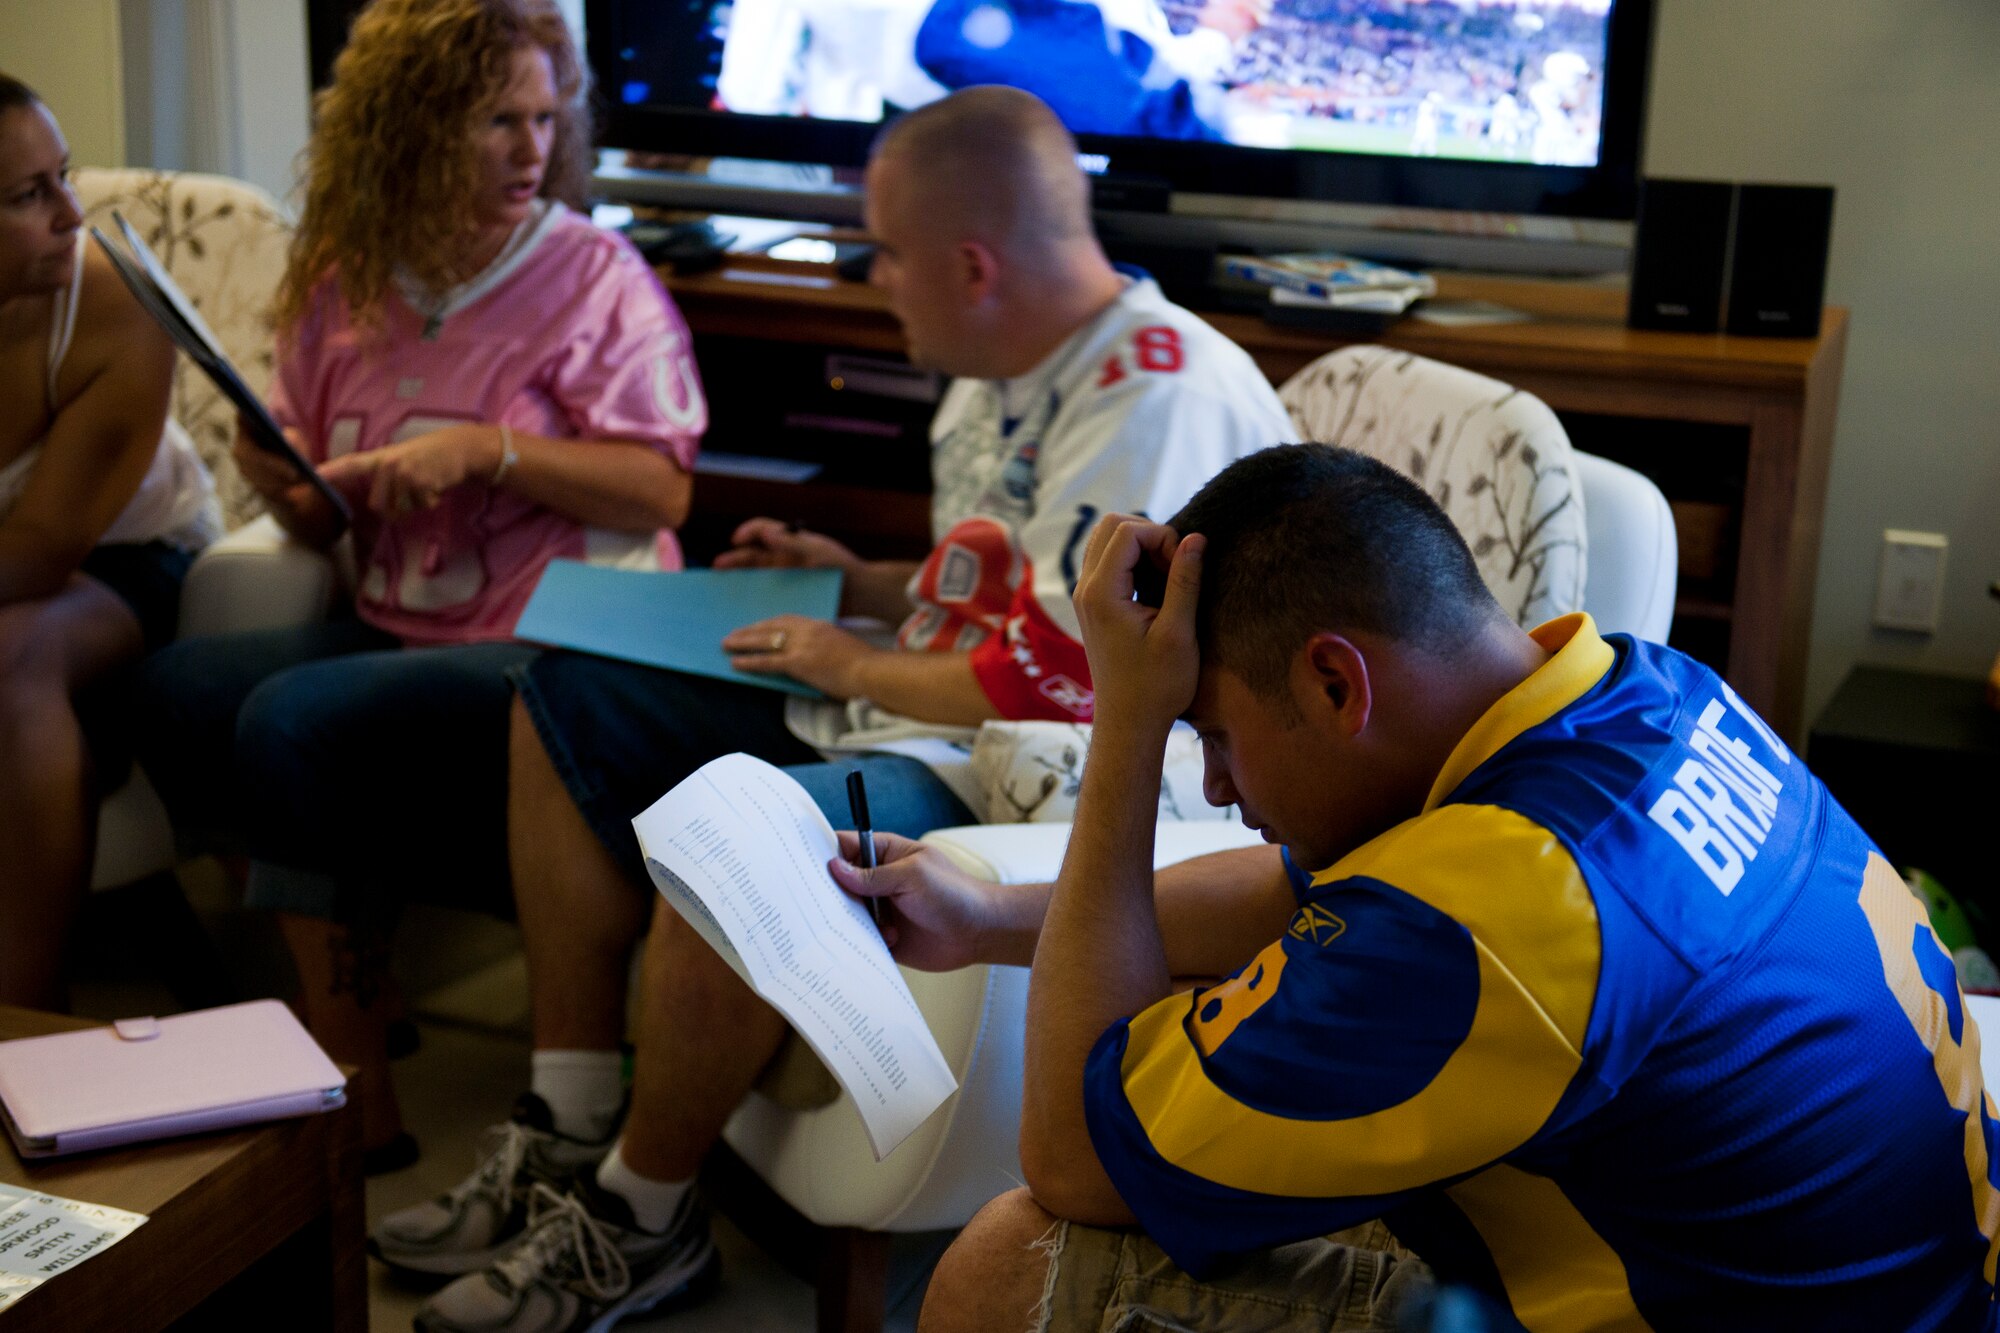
621, 736
147, 577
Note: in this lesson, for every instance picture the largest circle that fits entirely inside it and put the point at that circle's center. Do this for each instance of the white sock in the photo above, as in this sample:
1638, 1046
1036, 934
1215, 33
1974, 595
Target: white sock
654, 1202
584, 1090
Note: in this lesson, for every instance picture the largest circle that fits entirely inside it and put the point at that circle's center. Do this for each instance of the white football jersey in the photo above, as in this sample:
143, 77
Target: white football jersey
1130, 415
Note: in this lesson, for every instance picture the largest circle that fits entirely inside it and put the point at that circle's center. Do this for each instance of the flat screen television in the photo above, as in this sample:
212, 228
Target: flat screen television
1518, 107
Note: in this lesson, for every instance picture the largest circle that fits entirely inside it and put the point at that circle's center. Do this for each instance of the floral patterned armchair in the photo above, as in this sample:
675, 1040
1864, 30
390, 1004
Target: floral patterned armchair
1494, 458
224, 243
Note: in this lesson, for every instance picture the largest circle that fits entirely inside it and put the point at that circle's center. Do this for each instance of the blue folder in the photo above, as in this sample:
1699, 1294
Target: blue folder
672, 620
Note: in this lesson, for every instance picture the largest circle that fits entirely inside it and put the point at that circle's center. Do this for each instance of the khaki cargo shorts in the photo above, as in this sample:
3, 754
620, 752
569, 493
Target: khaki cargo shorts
796, 1079
1104, 1281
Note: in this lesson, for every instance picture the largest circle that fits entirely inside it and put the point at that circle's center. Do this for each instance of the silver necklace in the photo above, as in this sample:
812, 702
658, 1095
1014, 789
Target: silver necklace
433, 308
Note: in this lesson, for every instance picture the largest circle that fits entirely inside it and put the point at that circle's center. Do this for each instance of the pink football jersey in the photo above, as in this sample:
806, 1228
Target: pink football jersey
568, 335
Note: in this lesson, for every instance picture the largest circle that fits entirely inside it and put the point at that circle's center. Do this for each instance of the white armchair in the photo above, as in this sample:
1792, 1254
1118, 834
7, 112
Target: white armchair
1634, 556
225, 243
818, 1162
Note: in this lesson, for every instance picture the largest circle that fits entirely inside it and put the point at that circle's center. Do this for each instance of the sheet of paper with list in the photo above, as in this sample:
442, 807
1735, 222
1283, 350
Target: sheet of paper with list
42, 1236
740, 851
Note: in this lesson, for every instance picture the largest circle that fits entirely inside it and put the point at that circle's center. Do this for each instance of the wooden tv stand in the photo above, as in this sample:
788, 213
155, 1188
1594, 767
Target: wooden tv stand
1737, 432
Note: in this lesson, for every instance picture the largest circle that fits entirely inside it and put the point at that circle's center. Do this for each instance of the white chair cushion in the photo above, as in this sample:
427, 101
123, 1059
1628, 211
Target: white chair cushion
256, 577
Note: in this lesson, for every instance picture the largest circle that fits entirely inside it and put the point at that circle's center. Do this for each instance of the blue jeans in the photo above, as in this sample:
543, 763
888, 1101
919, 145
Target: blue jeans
354, 772
621, 736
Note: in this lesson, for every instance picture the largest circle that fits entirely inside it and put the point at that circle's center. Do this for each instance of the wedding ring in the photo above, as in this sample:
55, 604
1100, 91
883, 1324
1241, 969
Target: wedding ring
778, 642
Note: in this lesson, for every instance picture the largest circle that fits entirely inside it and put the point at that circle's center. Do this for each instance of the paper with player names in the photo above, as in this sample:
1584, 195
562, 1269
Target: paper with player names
42, 1236
740, 851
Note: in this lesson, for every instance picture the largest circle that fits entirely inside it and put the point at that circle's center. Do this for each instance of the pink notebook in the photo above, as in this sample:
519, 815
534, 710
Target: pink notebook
145, 1078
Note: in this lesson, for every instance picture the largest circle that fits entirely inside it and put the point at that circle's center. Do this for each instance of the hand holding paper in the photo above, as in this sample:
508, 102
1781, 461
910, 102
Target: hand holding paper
270, 475
741, 852
935, 916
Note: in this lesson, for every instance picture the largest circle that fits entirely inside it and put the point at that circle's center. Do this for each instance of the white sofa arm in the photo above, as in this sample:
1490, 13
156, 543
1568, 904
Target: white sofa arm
256, 577
819, 1161
1033, 853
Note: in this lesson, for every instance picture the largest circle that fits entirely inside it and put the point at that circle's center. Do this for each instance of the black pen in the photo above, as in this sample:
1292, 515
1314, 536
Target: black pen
857, 805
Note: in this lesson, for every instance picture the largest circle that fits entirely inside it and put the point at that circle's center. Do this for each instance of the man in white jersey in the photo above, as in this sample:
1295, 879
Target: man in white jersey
1080, 391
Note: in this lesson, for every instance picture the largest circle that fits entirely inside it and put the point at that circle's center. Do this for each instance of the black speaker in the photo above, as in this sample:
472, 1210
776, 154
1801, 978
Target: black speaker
1680, 262
1778, 270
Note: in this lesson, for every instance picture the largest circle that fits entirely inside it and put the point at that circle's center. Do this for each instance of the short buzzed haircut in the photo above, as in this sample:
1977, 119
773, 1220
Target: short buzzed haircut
996, 162
15, 93
1303, 538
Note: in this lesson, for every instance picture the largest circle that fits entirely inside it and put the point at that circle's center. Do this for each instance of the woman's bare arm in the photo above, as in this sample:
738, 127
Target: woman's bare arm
116, 380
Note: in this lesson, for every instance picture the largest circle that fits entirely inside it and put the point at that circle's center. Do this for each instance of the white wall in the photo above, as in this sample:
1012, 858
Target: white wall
67, 51
272, 77
217, 85
1897, 104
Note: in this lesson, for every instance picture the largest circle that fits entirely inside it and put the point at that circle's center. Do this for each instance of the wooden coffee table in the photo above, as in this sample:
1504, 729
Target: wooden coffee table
249, 1228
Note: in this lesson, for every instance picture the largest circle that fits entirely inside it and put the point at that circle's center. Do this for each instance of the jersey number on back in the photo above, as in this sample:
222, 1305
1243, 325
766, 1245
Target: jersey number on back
1157, 348
1930, 998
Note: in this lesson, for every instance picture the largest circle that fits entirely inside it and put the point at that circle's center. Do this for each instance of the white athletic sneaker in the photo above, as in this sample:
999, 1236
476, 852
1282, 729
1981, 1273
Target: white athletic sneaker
582, 1266
481, 1217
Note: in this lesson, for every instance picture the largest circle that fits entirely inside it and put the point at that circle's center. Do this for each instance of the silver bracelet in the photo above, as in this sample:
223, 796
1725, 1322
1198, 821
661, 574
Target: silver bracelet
508, 457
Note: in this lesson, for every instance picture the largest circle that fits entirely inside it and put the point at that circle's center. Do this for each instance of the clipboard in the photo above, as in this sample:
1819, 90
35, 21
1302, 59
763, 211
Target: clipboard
161, 297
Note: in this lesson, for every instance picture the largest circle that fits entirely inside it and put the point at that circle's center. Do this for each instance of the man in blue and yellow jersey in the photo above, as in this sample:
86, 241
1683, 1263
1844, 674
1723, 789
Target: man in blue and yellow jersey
1570, 974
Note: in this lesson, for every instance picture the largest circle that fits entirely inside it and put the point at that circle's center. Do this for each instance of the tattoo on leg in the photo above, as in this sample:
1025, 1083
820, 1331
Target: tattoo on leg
360, 959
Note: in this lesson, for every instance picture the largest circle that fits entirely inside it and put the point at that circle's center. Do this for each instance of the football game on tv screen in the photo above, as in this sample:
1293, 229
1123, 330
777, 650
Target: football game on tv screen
1481, 80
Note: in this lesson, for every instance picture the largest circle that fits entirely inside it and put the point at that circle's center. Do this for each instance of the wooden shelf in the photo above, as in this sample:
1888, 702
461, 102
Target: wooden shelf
1775, 398
1703, 608
880, 524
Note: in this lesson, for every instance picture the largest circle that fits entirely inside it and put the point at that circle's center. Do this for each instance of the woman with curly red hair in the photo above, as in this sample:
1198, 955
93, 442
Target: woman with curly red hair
493, 382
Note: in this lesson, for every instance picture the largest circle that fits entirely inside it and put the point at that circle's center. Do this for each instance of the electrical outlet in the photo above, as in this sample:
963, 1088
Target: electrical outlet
1911, 584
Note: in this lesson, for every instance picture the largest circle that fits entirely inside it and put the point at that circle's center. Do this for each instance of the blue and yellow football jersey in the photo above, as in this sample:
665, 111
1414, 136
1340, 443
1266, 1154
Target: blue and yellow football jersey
1632, 1026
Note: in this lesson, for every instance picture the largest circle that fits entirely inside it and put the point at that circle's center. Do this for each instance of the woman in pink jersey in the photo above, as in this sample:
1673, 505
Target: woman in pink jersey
100, 513
493, 383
